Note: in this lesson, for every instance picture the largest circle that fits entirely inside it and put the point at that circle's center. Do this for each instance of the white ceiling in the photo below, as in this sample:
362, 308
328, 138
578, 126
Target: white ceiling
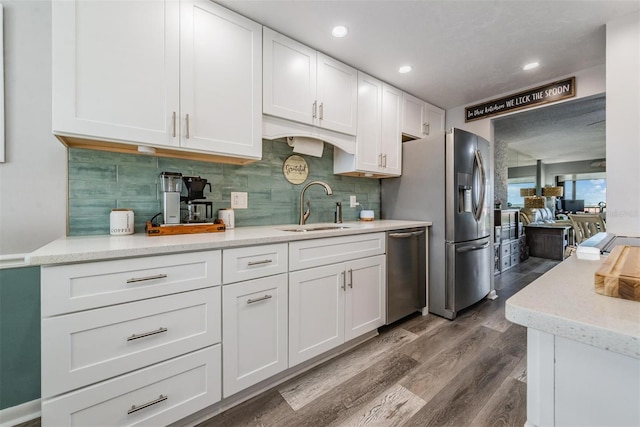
461, 51
464, 51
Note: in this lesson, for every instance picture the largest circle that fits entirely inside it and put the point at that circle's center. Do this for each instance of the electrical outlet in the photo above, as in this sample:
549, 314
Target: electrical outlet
239, 200
352, 201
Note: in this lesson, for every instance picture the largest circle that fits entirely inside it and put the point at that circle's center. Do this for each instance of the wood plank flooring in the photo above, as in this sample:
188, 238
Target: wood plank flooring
420, 371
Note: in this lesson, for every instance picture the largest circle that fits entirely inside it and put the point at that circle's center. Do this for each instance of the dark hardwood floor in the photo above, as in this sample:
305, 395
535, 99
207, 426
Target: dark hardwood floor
420, 371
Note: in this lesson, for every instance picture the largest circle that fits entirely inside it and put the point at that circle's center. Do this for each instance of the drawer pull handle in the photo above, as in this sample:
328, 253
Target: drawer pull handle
143, 279
146, 334
251, 301
264, 261
135, 408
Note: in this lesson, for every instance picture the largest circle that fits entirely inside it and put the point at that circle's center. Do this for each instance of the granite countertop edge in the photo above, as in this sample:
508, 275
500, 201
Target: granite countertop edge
69, 250
563, 302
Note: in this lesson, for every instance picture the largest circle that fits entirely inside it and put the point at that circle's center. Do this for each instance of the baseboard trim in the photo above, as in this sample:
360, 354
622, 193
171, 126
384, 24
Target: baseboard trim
20, 413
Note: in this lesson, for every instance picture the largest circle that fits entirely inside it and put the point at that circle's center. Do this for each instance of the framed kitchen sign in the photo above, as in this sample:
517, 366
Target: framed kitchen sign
545, 94
1, 87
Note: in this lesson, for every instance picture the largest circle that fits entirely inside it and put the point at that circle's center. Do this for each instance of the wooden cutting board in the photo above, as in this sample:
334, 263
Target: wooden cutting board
619, 274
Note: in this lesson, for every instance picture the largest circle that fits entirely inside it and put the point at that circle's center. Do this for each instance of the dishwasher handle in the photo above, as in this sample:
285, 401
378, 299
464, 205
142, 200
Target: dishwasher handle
406, 235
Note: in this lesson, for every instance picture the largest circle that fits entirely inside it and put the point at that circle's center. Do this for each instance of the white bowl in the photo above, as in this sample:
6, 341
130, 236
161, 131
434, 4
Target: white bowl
366, 215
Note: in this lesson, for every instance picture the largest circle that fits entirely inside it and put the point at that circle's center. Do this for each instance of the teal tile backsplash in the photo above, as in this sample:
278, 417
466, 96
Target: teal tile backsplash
100, 181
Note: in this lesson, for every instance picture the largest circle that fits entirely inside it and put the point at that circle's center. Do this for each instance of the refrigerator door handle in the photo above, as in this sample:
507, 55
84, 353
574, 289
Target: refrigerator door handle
472, 248
483, 177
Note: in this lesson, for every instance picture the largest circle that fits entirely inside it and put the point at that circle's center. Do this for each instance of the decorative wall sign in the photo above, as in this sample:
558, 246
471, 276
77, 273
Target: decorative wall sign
551, 92
295, 169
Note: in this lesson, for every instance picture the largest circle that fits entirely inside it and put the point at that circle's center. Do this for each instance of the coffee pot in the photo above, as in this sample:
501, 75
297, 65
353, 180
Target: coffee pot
199, 211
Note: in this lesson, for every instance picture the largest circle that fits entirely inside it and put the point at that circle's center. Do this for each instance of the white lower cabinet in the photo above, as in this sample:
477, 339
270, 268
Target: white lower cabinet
157, 395
131, 342
332, 304
254, 331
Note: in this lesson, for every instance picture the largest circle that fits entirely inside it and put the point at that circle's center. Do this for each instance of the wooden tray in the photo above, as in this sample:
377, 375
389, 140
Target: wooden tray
166, 230
619, 274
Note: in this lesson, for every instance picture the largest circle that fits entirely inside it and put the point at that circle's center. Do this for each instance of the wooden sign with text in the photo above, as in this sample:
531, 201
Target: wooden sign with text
551, 92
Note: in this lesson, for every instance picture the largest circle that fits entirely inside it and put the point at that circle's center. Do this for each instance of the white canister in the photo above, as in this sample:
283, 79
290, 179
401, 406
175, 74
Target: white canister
226, 215
121, 222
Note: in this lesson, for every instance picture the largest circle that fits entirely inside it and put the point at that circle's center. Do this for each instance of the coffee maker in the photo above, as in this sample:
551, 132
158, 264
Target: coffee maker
171, 186
197, 209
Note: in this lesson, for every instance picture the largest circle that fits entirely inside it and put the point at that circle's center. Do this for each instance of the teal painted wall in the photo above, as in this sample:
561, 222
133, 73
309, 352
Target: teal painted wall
19, 336
100, 181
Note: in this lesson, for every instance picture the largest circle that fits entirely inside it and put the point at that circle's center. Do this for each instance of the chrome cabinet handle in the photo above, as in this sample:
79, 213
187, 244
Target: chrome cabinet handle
187, 120
251, 301
405, 235
321, 110
380, 160
144, 279
385, 160
428, 128
135, 408
315, 109
264, 261
351, 278
147, 334
344, 280
173, 119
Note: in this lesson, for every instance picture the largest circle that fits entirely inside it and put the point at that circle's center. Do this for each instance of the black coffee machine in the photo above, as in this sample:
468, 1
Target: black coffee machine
197, 209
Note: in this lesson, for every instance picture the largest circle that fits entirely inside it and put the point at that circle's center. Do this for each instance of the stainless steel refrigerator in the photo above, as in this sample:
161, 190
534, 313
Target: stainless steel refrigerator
445, 179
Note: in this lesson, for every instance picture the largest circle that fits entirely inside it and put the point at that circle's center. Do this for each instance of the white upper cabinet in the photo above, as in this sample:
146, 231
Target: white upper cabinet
116, 78
306, 86
221, 80
184, 75
378, 142
421, 119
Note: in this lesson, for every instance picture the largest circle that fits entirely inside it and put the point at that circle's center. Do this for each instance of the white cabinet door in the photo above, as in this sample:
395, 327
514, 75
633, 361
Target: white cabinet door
221, 81
414, 114
391, 134
337, 90
116, 70
316, 311
368, 155
365, 296
435, 120
254, 331
420, 118
306, 86
289, 78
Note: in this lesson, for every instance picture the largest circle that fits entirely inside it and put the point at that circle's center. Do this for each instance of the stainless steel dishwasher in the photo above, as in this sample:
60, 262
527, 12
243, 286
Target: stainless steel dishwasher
406, 272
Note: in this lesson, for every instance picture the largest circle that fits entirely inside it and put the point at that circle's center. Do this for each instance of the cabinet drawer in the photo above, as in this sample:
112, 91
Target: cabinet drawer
317, 252
515, 247
189, 383
506, 250
83, 348
253, 262
515, 258
506, 263
255, 320
68, 288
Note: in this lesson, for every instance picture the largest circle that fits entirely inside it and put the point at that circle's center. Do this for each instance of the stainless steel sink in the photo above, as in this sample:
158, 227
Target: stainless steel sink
320, 227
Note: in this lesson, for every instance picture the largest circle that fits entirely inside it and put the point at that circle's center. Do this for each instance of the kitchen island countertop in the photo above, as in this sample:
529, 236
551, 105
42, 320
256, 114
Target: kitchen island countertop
563, 302
96, 248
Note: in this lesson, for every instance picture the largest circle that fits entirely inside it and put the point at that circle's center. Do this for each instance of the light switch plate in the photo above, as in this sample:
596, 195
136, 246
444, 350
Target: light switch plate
239, 200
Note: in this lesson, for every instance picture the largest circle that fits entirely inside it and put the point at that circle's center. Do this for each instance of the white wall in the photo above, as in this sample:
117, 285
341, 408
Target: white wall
33, 181
623, 126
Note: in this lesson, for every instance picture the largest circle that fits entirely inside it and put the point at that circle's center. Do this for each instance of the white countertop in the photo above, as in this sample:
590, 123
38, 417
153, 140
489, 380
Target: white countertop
95, 248
564, 302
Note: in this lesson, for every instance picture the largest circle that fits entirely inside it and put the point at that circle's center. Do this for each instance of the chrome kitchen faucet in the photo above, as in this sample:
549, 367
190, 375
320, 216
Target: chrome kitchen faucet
304, 213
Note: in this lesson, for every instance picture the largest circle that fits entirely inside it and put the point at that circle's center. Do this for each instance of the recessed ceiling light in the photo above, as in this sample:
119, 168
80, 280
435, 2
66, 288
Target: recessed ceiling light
339, 31
531, 66
404, 69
